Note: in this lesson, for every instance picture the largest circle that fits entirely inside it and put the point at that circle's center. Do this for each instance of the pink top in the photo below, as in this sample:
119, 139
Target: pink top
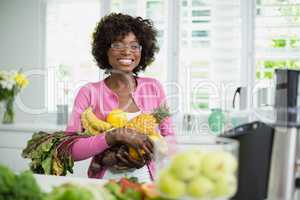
148, 95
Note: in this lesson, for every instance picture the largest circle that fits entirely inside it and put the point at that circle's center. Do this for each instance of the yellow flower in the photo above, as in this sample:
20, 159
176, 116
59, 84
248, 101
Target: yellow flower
21, 80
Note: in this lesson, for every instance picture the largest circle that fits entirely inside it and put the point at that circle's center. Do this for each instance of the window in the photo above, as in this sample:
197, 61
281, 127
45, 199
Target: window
208, 47
277, 41
68, 50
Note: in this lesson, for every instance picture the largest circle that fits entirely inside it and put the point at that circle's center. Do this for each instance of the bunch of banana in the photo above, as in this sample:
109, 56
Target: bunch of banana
91, 123
143, 123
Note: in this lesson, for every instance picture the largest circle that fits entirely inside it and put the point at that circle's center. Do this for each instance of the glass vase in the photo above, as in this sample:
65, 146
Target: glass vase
9, 115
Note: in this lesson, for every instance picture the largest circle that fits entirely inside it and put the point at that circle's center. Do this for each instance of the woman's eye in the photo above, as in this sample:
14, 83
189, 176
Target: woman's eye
134, 47
118, 46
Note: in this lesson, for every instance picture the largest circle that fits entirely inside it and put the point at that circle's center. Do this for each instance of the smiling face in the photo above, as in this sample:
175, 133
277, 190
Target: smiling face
123, 56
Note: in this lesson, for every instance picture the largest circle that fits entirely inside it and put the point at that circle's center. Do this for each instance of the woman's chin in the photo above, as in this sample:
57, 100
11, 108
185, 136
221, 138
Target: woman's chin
126, 69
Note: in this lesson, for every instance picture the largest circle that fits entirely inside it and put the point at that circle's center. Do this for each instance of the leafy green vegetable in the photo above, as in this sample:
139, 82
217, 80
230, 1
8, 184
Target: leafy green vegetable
132, 194
7, 181
26, 187
49, 153
106, 194
128, 194
18, 187
113, 187
70, 192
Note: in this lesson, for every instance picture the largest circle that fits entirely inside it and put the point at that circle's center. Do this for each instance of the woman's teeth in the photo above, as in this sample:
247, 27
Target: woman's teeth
125, 61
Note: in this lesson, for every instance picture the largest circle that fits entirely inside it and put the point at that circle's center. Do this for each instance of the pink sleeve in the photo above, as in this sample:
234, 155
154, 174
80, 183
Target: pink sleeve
84, 148
82, 101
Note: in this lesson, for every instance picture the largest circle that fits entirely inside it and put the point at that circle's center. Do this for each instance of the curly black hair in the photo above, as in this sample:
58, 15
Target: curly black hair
115, 25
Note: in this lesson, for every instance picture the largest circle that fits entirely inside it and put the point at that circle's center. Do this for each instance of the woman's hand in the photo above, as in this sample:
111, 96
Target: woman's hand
124, 158
133, 139
118, 159
109, 158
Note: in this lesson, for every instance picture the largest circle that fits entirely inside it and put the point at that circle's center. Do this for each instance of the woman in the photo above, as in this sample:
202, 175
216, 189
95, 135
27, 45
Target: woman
123, 46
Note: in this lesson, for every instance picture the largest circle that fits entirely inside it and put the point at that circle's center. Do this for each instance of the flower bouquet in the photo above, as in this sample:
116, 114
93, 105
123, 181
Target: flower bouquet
11, 83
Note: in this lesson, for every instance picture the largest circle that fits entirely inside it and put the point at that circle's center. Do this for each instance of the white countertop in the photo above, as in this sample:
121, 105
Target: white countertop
47, 182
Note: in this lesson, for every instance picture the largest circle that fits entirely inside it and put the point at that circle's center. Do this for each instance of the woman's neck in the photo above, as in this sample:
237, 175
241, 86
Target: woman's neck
121, 81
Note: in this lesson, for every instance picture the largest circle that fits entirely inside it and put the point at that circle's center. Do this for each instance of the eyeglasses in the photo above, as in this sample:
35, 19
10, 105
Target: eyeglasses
134, 47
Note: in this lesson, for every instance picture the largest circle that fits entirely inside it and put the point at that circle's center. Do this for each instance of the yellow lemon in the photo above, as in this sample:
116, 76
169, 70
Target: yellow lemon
117, 118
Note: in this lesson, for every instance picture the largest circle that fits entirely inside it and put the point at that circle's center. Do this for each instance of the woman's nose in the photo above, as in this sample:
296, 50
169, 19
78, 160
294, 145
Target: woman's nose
126, 50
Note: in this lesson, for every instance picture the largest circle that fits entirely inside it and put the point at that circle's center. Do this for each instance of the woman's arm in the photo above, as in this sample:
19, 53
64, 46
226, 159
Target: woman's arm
84, 148
82, 102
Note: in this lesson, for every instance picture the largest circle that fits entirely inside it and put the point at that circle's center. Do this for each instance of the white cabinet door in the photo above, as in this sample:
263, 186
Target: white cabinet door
14, 139
11, 145
11, 157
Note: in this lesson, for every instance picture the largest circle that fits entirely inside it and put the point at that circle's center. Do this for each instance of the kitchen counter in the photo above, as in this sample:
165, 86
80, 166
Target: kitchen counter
31, 127
47, 182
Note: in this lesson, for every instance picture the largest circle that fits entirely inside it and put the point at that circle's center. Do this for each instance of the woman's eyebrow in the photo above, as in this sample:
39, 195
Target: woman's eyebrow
135, 41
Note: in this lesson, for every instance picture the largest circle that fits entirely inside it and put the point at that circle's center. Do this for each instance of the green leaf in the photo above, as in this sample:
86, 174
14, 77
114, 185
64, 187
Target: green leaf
7, 180
42, 150
269, 64
268, 75
47, 165
70, 192
132, 194
257, 75
26, 187
279, 43
33, 143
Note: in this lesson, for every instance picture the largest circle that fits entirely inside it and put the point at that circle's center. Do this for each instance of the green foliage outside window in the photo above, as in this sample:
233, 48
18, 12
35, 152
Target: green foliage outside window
265, 69
201, 106
290, 42
292, 13
269, 66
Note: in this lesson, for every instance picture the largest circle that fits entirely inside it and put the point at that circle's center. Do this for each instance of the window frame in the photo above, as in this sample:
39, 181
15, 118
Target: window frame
247, 72
248, 50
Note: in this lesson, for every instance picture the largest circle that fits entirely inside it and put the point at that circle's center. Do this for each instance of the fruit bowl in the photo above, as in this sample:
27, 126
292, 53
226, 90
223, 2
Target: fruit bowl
198, 167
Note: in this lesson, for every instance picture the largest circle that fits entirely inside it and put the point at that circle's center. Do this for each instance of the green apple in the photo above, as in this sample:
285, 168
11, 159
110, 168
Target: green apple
200, 156
225, 186
200, 187
186, 165
170, 186
218, 163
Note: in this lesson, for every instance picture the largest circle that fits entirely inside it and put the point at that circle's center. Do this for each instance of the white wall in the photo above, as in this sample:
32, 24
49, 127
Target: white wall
22, 46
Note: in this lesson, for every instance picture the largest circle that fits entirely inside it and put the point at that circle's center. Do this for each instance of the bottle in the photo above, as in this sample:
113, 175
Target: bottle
216, 121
